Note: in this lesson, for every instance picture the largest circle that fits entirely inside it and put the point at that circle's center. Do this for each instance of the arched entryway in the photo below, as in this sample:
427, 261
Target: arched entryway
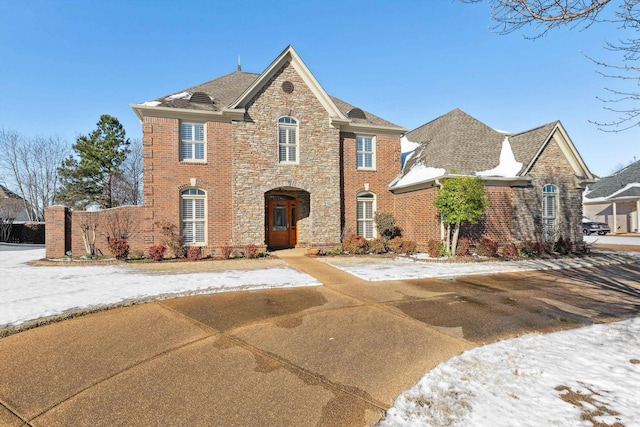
281, 220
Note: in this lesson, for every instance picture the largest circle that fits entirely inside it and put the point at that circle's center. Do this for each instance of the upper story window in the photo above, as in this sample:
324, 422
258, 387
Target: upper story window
192, 142
193, 216
287, 140
549, 212
365, 152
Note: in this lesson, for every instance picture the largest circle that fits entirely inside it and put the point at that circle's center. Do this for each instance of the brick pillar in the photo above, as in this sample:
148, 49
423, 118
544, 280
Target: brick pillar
57, 231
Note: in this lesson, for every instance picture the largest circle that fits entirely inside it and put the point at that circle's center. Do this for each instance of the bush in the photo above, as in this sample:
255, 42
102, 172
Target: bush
157, 252
464, 247
510, 250
194, 253
171, 238
226, 251
355, 244
488, 247
531, 249
436, 249
395, 244
251, 251
409, 247
119, 248
386, 225
377, 246
331, 251
563, 246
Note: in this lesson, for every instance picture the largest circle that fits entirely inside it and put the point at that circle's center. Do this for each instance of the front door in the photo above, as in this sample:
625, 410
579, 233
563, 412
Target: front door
282, 218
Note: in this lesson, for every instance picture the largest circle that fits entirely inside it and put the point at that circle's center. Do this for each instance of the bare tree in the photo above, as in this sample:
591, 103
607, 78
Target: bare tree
546, 15
10, 208
31, 165
127, 185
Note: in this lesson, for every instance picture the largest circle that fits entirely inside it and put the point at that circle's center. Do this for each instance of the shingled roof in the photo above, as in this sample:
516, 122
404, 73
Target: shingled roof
224, 91
625, 178
461, 144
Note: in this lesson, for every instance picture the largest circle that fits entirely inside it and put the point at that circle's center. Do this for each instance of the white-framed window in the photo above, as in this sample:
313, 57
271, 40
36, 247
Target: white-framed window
287, 140
192, 143
193, 213
365, 152
366, 205
549, 212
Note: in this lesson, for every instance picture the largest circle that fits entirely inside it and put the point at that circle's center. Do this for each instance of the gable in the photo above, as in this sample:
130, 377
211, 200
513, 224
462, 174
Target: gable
627, 178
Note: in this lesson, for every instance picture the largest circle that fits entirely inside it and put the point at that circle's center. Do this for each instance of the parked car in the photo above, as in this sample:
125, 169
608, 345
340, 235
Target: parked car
590, 226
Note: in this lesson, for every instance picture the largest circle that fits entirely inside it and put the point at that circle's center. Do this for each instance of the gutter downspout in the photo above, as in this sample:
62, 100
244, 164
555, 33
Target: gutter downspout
439, 184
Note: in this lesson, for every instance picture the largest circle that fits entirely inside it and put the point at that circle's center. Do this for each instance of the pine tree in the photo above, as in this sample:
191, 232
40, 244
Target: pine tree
88, 177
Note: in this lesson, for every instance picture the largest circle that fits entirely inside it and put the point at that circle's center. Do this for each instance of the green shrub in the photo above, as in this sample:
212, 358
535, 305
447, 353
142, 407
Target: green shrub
386, 225
377, 246
331, 251
355, 244
157, 252
395, 245
531, 249
487, 247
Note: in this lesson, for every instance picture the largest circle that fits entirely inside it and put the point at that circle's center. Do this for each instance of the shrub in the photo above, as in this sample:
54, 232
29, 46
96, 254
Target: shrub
194, 253
171, 238
386, 225
487, 247
395, 244
331, 251
226, 250
436, 249
157, 252
464, 247
510, 250
409, 247
119, 248
531, 249
377, 246
251, 251
563, 246
355, 244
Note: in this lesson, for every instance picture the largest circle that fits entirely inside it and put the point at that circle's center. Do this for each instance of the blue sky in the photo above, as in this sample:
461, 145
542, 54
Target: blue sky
64, 63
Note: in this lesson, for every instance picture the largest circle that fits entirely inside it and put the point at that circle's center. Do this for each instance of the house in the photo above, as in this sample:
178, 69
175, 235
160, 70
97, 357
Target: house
266, 159
615, 200
534, 179
273, 160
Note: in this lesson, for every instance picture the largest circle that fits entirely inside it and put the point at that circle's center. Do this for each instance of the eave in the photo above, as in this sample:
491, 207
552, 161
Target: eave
226, 115
489, 181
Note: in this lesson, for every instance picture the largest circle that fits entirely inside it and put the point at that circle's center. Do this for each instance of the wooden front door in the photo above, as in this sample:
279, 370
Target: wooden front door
282, 218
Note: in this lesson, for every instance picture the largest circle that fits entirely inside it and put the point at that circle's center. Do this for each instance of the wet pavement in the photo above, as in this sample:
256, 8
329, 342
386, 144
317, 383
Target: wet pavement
330, 355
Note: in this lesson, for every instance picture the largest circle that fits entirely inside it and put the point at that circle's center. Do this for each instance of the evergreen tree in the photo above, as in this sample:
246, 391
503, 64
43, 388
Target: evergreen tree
88, 177
460, 200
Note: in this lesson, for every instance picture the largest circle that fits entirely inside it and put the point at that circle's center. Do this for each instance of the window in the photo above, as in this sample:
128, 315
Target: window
365, 209
549, 212
365, 152
192, 142
193, 216
287, 140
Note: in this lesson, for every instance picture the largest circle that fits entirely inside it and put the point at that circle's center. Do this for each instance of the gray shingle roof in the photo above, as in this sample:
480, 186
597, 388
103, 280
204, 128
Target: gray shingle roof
462, 144
617, 181
226, 89
5, 193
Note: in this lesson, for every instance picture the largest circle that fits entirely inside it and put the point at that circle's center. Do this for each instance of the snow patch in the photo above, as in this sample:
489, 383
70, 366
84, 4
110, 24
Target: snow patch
151, 103
407, 146
419, 173
508, 167
180, 95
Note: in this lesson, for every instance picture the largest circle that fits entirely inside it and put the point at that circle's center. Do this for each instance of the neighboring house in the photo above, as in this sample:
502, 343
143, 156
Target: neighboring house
534, 179
615, 200
271, 159
21, 214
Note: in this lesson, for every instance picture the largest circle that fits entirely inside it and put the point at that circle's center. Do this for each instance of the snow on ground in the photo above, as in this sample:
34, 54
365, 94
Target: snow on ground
608, 239
28, 292
572, 378
377, 270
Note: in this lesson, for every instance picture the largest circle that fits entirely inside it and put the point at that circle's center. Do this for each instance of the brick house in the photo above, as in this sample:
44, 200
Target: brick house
266, 159
534, 179
271, 159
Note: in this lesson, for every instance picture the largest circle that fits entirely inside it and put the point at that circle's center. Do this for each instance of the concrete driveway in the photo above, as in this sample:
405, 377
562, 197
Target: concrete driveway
336, 354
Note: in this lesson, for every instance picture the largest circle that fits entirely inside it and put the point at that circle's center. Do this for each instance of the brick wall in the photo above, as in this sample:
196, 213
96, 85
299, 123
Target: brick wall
417, 216
56, 231
362, 180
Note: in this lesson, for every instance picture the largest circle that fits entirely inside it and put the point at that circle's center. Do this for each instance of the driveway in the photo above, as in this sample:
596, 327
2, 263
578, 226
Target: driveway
336, 354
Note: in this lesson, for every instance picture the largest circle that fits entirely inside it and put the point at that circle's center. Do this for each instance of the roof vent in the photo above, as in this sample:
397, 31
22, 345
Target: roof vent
287, 86
201, 98
356, 113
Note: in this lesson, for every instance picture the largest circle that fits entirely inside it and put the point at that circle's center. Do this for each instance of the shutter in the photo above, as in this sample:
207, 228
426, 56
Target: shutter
187, 210
187, 151
187, 132
199, 132
199, 209
199, 151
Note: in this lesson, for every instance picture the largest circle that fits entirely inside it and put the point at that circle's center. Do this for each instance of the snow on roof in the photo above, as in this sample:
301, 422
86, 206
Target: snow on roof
407, 146
508, 167
419, 173
151, 103
180, 95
